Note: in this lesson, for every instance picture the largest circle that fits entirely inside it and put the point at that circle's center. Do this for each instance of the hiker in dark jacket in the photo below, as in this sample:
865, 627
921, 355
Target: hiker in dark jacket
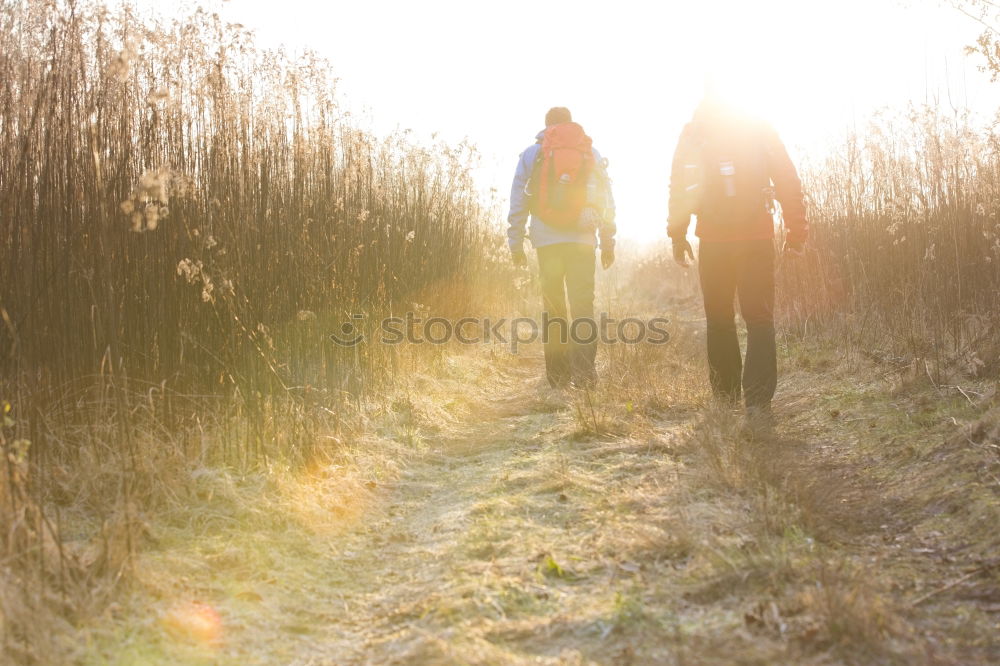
569, 210
728, 170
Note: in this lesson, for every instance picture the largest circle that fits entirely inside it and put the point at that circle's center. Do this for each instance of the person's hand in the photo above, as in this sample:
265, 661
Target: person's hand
607, 258
794, 249
519, 258
683, 252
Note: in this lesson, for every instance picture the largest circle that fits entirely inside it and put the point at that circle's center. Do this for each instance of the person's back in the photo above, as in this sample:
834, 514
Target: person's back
561, 185
525, 221
728, 170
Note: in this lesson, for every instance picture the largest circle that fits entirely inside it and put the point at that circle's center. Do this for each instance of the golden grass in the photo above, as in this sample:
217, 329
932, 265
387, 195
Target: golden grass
513, 535
194, 475
184, 219
904, 257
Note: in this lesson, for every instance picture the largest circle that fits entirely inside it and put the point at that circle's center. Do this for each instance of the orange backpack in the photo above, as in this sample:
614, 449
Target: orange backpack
559, 178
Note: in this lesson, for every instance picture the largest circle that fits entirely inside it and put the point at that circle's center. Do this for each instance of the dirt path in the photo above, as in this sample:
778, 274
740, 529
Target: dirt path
478, 553
395, 582
517, 534
487, 548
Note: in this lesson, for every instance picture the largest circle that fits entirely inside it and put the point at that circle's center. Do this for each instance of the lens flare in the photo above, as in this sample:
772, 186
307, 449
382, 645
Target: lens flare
194, 621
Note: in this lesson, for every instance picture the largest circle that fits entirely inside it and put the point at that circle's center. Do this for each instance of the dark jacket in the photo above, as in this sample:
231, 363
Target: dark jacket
717, 137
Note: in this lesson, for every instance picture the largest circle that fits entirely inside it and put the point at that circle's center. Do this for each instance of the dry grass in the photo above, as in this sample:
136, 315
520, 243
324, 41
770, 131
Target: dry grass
184, 219
187, 458
500, 530
905, 252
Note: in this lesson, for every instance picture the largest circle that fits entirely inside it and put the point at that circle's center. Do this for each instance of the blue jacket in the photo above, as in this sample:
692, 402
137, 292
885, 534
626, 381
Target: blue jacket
539, 233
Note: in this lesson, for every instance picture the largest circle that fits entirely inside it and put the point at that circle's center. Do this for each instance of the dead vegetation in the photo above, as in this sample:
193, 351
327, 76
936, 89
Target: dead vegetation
186, 459
184, 219
904, 264
858, 539
516, 534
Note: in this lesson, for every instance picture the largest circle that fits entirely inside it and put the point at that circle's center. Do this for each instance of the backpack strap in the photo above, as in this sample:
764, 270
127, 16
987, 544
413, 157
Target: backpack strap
535, 167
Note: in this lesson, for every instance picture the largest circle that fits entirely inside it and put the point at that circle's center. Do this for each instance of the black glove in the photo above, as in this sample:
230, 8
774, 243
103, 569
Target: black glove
683, 252
519, 258
607, 258
794, 249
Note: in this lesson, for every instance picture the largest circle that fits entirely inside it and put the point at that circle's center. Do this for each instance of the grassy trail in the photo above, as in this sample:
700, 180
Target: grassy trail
517, 534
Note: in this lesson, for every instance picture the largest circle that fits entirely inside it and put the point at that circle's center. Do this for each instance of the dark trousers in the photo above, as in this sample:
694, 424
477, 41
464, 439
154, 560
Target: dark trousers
566, 271
743, 270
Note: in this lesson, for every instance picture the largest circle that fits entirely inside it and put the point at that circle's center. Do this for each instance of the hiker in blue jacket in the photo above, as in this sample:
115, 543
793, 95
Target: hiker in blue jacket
562, 183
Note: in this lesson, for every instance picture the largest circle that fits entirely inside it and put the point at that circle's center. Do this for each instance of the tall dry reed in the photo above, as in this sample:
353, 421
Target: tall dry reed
184, 218
905, 251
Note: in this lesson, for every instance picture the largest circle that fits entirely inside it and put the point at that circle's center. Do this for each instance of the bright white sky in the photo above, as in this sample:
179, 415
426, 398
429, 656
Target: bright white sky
630, 71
